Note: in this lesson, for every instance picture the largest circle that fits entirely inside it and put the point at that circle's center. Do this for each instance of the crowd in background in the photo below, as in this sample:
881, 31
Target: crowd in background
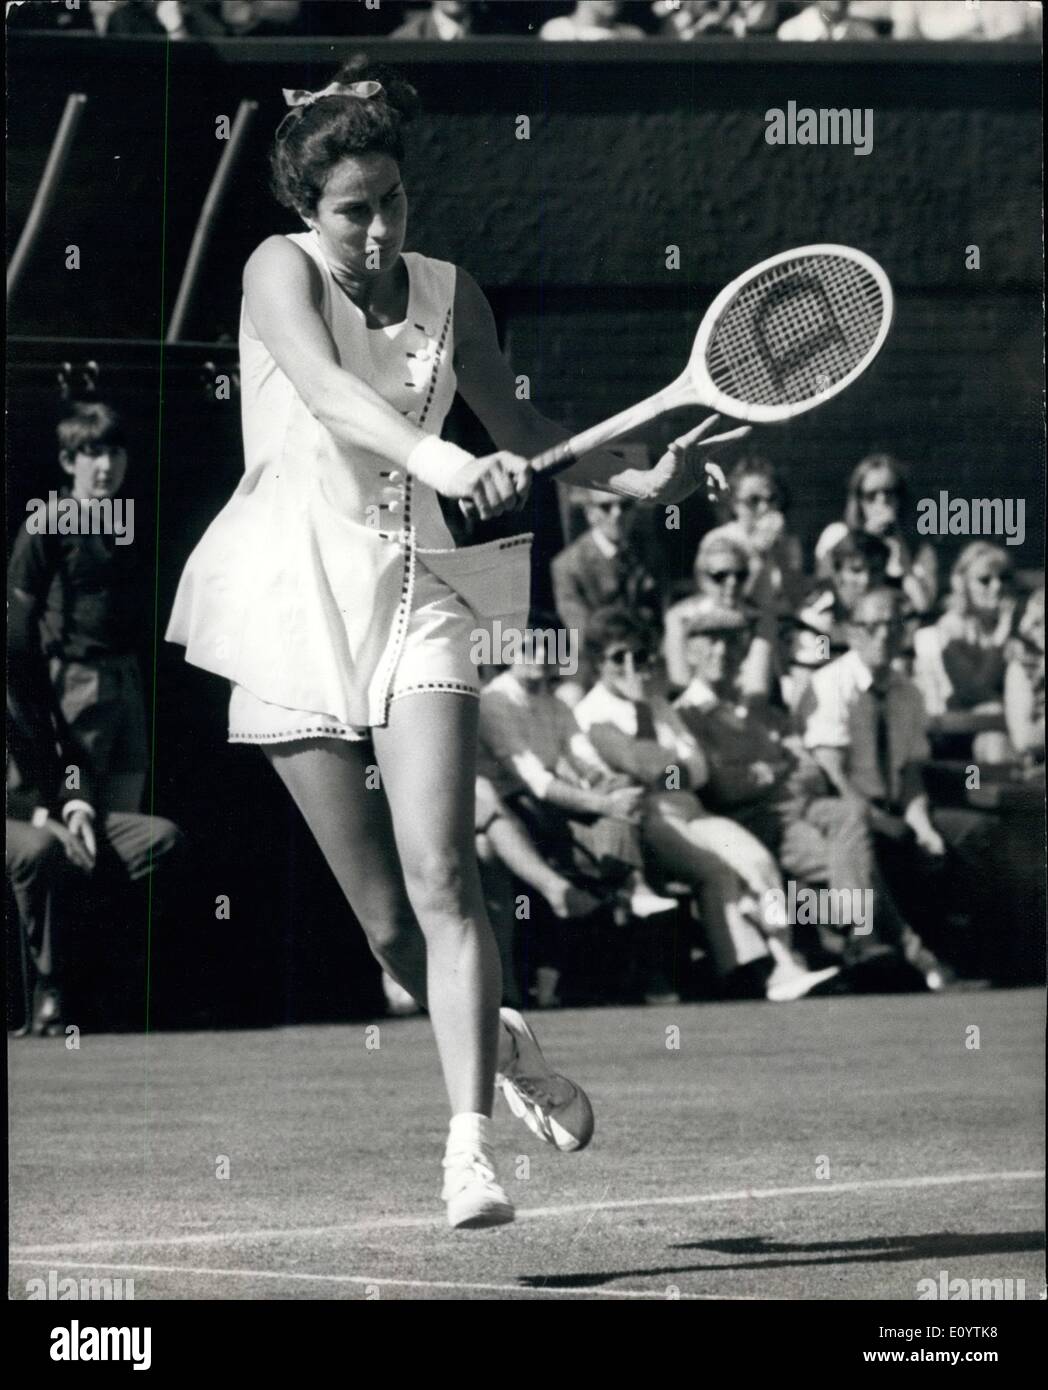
687, 20
664, 775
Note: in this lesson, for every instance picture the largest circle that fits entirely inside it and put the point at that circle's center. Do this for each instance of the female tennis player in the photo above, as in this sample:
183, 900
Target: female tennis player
329, 590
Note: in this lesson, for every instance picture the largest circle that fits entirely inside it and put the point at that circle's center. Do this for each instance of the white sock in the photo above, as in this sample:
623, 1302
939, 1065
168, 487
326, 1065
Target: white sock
469, 1130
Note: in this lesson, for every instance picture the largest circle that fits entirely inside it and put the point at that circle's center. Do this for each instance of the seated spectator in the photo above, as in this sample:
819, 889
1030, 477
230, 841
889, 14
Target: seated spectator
262, 18
81, 602
722, 571
826, 19
761, 776
444, 20
175, 19
576, 812
581, 820
818, 634
56, 842
776, 560
877, 504
959, 662
634, 732
1024, 684
947, 20
601, 568
866, 726
699, 19
591, 19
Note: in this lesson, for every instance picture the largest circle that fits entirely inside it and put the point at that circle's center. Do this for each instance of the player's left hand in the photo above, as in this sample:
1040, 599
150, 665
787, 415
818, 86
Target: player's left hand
686, 465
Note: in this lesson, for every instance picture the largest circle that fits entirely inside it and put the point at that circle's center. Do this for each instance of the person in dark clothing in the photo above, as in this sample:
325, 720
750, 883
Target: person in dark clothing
62, 857
80, 603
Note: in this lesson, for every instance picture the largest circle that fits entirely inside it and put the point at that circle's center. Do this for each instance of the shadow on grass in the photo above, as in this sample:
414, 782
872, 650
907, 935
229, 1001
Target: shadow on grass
939, 1245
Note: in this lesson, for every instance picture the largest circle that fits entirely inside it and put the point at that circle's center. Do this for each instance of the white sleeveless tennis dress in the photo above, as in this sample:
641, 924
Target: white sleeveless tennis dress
329, 584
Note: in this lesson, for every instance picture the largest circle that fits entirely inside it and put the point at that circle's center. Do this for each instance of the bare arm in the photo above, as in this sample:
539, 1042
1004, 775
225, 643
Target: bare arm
490, 390
282, 296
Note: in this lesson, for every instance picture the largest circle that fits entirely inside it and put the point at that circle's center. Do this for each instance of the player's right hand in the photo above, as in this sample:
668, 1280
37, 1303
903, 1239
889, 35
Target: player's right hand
492, 485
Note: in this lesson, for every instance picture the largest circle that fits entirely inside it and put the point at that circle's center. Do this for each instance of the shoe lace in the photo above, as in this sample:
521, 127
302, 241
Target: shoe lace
479, 1163
537, 1089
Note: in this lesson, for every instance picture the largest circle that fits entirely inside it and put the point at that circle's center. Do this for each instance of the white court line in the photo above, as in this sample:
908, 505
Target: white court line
383, 1282
415, 1223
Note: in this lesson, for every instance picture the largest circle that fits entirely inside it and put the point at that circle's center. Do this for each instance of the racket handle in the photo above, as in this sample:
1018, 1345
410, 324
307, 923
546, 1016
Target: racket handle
564, 454
552, 461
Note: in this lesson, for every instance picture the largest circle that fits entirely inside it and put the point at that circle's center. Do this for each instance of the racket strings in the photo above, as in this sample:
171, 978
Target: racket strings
796, 330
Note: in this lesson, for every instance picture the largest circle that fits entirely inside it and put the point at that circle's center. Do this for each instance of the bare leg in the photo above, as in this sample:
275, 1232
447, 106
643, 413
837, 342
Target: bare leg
427, 757
328, 780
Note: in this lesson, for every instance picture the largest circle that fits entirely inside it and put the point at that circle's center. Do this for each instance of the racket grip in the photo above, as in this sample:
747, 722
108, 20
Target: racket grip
554, 460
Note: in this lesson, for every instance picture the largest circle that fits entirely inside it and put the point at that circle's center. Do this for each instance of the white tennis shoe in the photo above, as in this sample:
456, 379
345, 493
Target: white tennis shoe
551, 1106
472, 1191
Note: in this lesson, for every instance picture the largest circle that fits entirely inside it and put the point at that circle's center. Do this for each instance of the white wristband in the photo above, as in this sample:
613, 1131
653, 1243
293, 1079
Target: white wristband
432, 460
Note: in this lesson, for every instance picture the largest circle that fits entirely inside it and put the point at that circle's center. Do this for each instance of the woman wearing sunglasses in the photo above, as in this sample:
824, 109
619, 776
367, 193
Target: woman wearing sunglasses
722, 572
759, 500
960, 660
878, 503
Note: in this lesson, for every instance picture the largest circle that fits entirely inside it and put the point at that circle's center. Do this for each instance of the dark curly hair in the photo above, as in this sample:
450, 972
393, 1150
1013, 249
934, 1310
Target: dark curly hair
312, 139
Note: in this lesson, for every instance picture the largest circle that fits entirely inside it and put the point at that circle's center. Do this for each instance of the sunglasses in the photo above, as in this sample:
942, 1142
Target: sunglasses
985, 580
888, 493
618, 656
722, 576
753, 500
611, 506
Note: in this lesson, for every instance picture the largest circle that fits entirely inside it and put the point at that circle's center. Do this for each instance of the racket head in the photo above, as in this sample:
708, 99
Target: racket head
791, 333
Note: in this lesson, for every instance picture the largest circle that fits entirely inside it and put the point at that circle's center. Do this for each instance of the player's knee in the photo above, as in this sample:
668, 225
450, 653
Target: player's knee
389, 928
436, 884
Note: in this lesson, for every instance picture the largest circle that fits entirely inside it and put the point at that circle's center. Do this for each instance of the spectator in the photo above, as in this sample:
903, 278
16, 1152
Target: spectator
591, 19
80, 602
826, 19
580, 819
1024, 683
699, 19
722, 571
602, 568
776, 560
567, 804
865, 724
960, 660
877, 504
262, 18
761, 776
946, 20
55, 840
177, 19
635, 732
443, 20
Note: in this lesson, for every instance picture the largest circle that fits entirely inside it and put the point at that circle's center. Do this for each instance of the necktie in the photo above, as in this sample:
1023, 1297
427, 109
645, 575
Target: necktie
645, 722
882, 741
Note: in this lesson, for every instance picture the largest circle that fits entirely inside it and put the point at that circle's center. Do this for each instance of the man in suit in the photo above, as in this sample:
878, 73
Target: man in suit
602, 569
58, 848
